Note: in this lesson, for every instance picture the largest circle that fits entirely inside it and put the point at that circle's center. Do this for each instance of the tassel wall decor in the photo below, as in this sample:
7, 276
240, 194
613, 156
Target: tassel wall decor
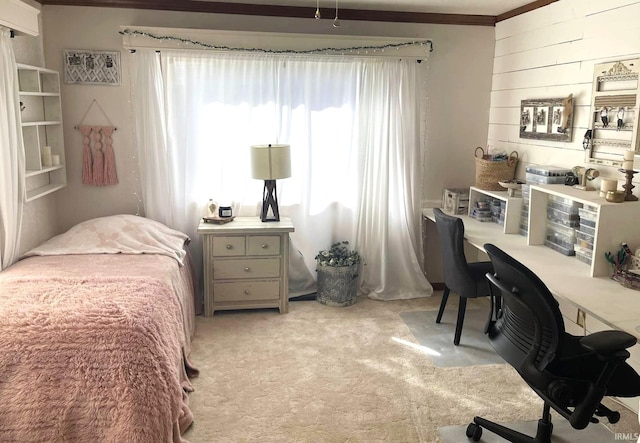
110, 176
87, 172
99, 163
98, 157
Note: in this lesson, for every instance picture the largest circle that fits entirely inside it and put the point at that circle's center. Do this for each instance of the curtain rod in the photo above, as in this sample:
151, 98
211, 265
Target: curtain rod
358, 49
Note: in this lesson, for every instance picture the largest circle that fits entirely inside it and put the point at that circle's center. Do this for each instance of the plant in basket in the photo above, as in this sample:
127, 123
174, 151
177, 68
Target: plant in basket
337, 270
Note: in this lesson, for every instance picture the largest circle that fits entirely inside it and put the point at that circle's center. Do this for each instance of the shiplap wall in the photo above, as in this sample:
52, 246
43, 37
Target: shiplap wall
551, 52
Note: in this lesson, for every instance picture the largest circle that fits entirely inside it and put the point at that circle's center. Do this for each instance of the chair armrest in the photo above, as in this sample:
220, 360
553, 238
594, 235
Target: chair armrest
607, 343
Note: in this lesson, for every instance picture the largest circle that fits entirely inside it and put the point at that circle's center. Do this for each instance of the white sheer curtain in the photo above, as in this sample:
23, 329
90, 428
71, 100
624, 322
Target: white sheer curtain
12, 180
156, 175
354, 126
391, 118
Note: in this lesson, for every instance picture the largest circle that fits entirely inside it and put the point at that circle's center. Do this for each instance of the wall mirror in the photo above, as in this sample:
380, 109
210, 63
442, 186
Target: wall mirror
547, 119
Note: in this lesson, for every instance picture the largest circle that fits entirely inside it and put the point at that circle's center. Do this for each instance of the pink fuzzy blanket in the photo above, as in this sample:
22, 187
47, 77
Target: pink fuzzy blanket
91, 360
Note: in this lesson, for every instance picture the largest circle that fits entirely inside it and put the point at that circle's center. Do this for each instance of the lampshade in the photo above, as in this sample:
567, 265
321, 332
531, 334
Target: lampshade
270, 162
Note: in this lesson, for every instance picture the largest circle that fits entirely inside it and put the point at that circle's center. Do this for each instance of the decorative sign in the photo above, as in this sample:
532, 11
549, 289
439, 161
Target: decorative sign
83, 67
547, 119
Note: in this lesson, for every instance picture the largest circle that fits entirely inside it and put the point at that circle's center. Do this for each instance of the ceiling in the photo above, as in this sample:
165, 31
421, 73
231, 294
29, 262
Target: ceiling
462, 12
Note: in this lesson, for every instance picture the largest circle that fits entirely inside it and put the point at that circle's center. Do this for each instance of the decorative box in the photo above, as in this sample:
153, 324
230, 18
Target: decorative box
455, 201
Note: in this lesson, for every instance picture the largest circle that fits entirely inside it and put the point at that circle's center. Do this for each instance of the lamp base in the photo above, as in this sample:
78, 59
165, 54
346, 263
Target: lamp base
269, 200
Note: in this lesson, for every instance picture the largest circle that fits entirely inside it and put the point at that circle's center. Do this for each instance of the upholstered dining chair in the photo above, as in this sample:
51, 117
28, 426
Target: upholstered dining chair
465, 279
570, 374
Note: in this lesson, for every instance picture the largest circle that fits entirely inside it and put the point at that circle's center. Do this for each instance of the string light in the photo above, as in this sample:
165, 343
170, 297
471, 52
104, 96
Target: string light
186, 41
336, 21
317, 16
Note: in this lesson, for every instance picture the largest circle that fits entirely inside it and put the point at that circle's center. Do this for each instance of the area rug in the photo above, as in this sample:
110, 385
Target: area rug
351, 374
437, 338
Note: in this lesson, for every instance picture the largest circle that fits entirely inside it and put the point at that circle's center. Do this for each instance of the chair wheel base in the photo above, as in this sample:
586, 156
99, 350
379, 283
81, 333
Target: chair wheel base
611, 416
474, 432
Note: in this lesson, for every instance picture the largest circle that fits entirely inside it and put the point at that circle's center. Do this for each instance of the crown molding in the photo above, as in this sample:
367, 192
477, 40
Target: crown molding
215, 7
523, 9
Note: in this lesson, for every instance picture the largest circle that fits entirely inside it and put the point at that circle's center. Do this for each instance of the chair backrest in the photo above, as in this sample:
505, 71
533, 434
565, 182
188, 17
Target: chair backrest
528, 326
454, 262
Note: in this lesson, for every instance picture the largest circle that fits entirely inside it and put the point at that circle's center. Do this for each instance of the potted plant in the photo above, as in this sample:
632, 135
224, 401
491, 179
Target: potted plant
337, 270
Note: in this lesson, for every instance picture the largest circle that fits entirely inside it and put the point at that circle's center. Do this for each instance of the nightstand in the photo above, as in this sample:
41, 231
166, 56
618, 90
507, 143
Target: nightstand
246, 264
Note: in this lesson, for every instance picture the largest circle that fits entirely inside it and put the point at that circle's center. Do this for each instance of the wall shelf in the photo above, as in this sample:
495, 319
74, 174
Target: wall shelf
41, 121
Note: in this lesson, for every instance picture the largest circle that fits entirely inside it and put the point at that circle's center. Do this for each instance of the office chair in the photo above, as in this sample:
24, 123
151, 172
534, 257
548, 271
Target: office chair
571, 374
466, 279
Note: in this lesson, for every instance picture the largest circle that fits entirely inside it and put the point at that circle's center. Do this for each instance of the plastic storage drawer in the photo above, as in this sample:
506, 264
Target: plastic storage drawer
549, 171
564, 218
561, 229
587, 229
584, 240
560, 249
587, 217
584, 258
543, 179
561, 240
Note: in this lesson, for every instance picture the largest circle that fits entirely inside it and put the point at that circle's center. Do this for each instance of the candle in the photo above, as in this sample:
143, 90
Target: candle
607, 184
55, 160
46, 150
628, 155
627, 165
46, 160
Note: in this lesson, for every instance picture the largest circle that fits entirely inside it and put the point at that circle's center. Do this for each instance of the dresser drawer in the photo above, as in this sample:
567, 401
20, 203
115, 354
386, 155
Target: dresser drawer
246, 291
228, 246
246, 268
263, 245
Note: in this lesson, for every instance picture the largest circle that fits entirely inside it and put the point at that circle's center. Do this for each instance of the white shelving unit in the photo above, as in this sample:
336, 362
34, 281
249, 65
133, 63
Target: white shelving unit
615, 222
513, 207
41, 120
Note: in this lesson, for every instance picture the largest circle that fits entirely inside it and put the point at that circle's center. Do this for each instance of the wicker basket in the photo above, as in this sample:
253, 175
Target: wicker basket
489, 173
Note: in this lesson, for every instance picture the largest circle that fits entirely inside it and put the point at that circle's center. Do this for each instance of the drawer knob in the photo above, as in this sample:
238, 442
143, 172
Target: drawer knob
229, 246
246, 292
247, 269
264, 246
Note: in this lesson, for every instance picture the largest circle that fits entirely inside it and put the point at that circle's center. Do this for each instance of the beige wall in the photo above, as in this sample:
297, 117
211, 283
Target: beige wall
458, 97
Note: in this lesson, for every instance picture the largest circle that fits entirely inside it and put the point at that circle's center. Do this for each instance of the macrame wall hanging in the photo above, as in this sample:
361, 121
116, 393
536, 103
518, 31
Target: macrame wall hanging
98, 161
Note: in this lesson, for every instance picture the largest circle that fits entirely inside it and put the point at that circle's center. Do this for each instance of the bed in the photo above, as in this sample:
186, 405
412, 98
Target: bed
95, 334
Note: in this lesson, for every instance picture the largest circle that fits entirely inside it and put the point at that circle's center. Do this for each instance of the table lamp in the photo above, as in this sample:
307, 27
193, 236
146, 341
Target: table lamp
268, 163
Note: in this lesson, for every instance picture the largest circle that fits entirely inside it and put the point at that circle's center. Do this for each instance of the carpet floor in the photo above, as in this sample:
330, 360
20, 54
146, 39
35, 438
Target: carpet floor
353, 374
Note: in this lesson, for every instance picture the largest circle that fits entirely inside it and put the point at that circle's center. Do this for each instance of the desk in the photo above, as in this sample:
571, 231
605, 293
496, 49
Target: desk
590, 304
566, 277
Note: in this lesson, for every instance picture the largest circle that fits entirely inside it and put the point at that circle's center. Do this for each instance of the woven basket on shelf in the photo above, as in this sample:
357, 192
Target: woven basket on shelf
489, 173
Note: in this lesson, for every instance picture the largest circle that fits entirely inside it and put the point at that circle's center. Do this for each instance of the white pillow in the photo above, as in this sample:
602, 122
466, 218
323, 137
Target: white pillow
116, 234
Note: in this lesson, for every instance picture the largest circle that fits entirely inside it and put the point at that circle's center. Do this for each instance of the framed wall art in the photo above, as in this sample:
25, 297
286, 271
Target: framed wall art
83, 67
547, 119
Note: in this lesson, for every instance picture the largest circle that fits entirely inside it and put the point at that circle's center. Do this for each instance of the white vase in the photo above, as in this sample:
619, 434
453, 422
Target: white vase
212, 208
